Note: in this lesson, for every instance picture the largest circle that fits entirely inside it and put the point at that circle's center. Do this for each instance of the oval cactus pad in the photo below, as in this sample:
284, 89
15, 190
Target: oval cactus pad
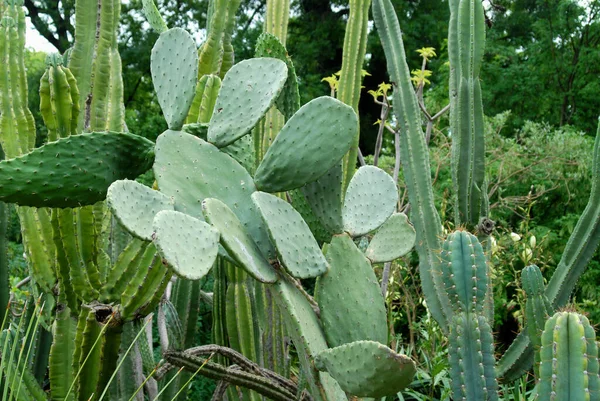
309, 144
248, 91
393, 239
134, 205
370, 199
237, 242
188, 245
174, 68
297, 248
367, 368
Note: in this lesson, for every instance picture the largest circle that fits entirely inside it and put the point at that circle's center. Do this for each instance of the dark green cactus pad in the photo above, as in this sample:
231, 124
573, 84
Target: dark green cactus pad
288, 102
309, 144
191, 170
174, 68
370, 199
569, 359
248, 90
298, 201
352, 307
134, 205
237, 242
394, 239
199, 130
325, 198
186, 244
367, 368
471, 357
297, 248
465, 272
74, 171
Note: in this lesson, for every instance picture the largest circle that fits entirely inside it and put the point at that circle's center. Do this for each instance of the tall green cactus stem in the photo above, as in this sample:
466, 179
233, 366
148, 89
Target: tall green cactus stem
211, 53
153, 16
62, 372
569, 359
355, 45
59, 99
466, 41
228, 57
414, 155
537, 308
276, 19
4, 274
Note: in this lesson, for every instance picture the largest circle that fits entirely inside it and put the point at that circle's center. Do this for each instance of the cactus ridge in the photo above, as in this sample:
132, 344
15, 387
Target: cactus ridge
237, 242
342, 293
174, 68
236, 114
74, 171
394, 239
297, 248
569, 359
153, 16
188, 245
367, 368
370, 199
296, 156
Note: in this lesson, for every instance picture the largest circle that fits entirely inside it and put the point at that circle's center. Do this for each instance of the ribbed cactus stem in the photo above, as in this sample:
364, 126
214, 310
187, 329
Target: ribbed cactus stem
277, 18
471, 355
228, 53
414, 155
4, 274
569, 359
466, 41
355, 45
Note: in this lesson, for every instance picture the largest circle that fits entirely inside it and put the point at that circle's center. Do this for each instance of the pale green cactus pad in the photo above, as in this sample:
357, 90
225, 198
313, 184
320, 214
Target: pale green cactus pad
153, 16
367, 368
325, 198
248, 90
74, 171
134, 205
188, 245
297, 248
191, 170
309, 144
394, 239
174, 68
352, 307
237, 242
370, 199
268, 45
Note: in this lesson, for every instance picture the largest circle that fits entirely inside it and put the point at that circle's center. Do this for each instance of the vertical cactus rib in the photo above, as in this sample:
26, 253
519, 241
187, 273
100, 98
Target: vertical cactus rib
228, 53
277, 18
4, 274
471, 355
415, 162
61, 356
466, 41
355, 45
582, 244
569, 359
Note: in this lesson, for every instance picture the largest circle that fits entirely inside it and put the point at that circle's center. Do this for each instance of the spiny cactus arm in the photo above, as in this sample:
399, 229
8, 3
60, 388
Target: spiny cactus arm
235, 115
341, 294
153, 16
209, 86
88, 355
59, 99
367, 368
465, 272
569, 359
582, 244
211, 52
39, 245
126, 265
135, 205
296, 157
84, 178
211, 174
415, 162
471, 356
355, 45
370, 199
237, 242
277, 18
4, 274
61, 355
466, 41
394, 239
188, 245
116, 112
228, 57
297, 248
174, 68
